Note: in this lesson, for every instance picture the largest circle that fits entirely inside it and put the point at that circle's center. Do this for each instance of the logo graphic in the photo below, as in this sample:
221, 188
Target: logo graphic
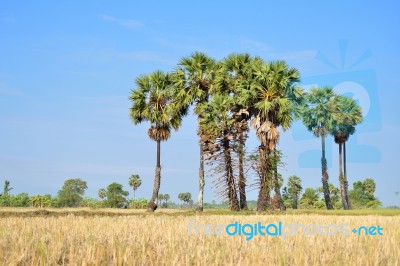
279, 229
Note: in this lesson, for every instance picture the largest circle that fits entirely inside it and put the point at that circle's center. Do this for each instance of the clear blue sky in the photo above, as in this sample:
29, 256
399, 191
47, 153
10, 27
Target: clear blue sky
67, 67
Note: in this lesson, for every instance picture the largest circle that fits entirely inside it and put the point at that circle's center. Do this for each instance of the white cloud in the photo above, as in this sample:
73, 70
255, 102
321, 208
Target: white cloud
128, 23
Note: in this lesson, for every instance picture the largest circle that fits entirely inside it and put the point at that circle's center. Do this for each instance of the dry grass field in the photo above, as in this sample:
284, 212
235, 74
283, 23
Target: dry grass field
126, 237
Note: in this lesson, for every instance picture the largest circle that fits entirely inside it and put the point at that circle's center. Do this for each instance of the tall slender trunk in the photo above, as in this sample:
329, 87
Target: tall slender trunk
201, 181
295, 201
263, 200
152, 206
346, 183
278, 190
341, 181
242, 178
232, 194
325, 177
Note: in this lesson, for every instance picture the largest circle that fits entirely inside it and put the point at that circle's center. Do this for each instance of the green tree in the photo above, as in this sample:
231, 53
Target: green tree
135, 182
116, 195
369, 185
185, 197
217, 123
6, 188
318, 118
71, 194
309, 198
347, 114
192, 81
272, 92
153, 101
167, 197
39, 201
102, 193
362, 194
334, 194
294, 190
234, 76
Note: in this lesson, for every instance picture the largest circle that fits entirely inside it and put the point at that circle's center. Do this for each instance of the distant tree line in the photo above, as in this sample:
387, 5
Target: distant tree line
114, 196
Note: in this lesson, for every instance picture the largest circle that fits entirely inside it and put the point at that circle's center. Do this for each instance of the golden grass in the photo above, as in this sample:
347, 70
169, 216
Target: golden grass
163, 239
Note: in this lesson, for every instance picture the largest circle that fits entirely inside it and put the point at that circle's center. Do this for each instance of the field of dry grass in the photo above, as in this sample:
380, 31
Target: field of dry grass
136, 238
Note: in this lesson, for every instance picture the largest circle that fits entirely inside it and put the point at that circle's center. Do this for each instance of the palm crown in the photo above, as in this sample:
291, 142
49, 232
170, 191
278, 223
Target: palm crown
153, 102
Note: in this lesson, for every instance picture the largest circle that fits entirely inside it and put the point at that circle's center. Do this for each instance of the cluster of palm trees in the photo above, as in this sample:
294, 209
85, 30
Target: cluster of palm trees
229, 97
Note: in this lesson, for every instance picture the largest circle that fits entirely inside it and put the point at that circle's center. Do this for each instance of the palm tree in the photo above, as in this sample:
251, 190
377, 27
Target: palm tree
153, 101
134, 182
6, 188
192, 81
217, 123
294, 190
166, 198
310, 197
318, 118
235, 78
102, 193
347, 114
274, 83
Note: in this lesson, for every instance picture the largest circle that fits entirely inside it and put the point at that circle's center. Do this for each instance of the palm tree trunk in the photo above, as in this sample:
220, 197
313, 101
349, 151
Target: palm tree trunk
263, 200
278, 190
201, 181
232, 194
346, 183
242, 178
325, 177
341, 181
152, 206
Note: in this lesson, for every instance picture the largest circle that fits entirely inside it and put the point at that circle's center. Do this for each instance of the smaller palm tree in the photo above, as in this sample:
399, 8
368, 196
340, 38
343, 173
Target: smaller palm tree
135, 182
294, 189
347, 114
318, 118
102, 193
154, 102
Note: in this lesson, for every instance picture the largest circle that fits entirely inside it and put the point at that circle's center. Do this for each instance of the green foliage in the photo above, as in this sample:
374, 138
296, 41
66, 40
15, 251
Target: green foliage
309, 198
153, 101
134, 182
92, 203
71, 194
6, 188
346, 115
140, 203
318, 113
185, 197
293, 191
102, 193
334, 195
115, 196
362, 194
39, 201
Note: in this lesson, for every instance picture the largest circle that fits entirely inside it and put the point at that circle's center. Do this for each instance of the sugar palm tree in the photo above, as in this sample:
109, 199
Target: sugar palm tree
153, 101
294, 190
134, 182
274, 84
218, 123
192, 80
235, 78
318, 118
347, 114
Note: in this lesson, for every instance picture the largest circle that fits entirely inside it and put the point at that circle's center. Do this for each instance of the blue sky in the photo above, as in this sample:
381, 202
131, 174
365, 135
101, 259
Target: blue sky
67, 68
